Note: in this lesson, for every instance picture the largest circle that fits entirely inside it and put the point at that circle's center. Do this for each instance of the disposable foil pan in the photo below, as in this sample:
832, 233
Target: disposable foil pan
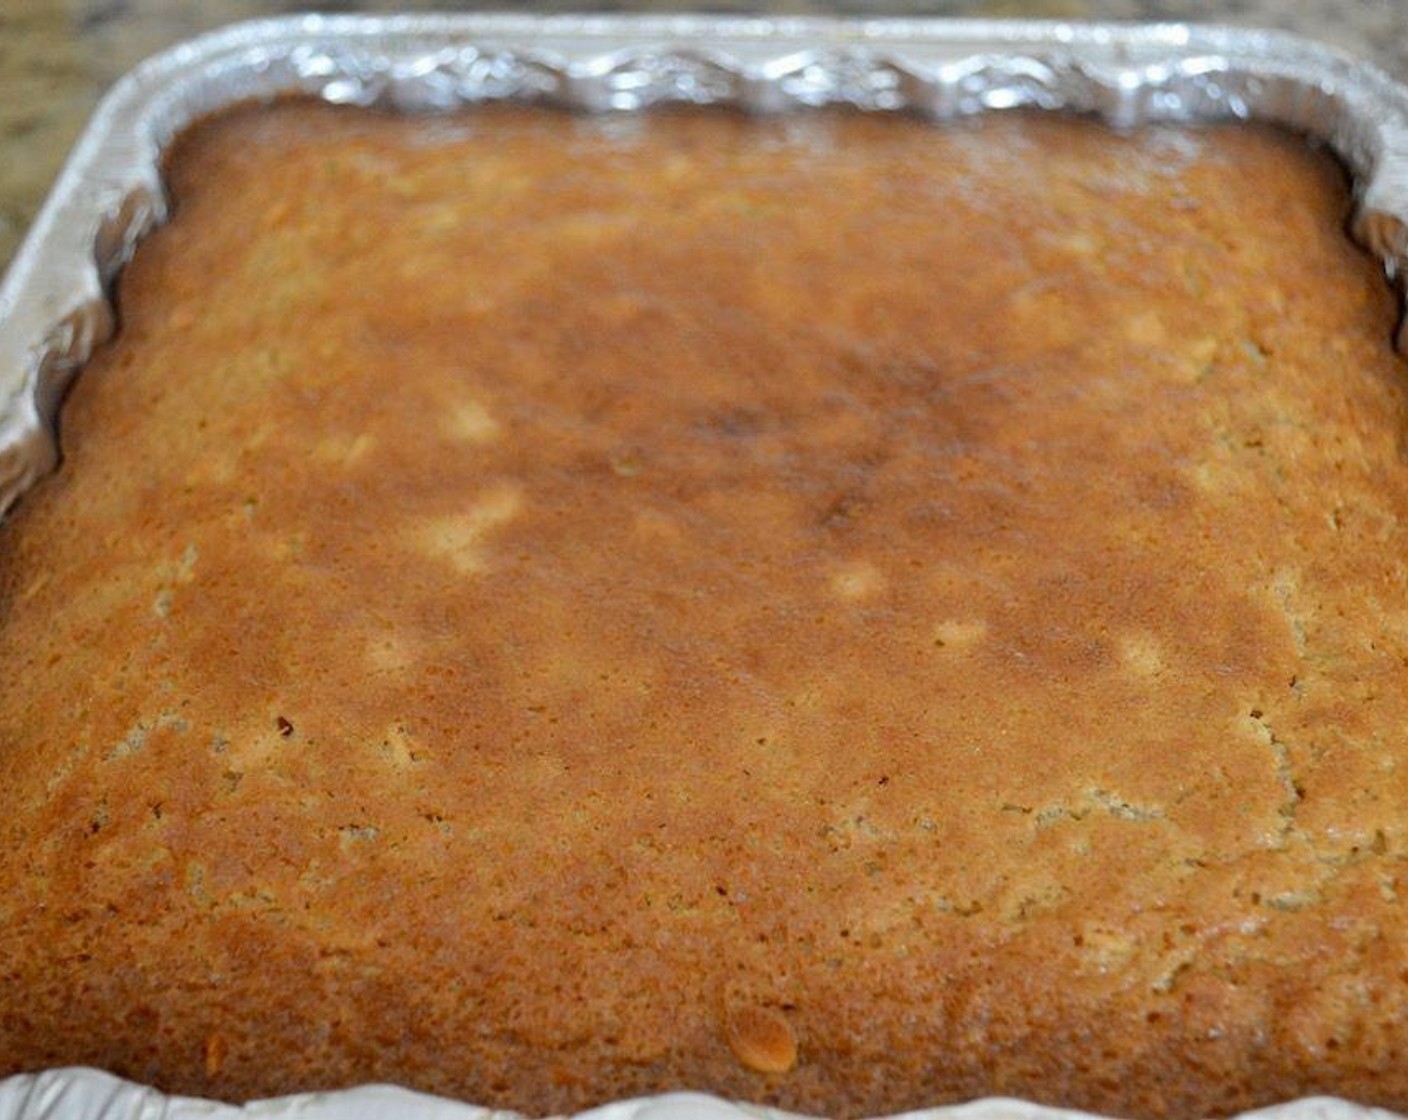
55, 307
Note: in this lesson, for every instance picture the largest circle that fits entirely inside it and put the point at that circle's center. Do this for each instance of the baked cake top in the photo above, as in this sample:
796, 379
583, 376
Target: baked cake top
834, 610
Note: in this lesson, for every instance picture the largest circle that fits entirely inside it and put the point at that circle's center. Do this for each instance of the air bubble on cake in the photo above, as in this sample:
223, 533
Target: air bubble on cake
220, 466
962, 907
1175, 964
679, 167
655, 526
1122, 807
399, 748
1293, 900
181, 571
131, 743
390, 653
35, 586
195, 883
1142, 654
1022, 901
1104, 946
1080, 243
134, 740
1040, 309
470, 422
857, 579
458, 537
1285, 590
352, 835
1284, 767
959, 633
1146, 328
1207, 476
1199, 359
343, 449
855, 830
1099, 800
186, 565
626, 464
282, 547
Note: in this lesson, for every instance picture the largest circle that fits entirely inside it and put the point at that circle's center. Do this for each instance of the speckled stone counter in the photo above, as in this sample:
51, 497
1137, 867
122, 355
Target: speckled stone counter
56, 59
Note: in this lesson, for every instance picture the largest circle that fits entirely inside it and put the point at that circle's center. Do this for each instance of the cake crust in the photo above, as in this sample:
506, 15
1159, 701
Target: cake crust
833, 610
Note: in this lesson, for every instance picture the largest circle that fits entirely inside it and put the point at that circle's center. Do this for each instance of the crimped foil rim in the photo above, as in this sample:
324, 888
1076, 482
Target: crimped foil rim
87, 1094
55, 306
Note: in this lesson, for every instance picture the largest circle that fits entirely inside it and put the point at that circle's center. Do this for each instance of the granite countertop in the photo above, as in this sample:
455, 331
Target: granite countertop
57, 59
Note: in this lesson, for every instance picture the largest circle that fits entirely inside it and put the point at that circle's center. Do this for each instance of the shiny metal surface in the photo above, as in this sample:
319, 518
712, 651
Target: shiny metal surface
80, 1094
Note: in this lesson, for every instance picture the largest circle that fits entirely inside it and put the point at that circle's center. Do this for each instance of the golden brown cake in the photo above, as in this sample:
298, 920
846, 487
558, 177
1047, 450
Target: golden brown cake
833, 610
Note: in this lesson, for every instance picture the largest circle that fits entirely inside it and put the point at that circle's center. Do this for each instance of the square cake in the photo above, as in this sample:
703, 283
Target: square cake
833, 610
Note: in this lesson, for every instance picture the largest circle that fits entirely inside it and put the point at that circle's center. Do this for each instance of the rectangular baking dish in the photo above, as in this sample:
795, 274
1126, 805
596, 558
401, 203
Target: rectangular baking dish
55, 300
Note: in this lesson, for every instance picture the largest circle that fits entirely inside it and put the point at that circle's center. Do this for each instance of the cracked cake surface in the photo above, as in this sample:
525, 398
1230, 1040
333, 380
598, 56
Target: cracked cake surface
833, 610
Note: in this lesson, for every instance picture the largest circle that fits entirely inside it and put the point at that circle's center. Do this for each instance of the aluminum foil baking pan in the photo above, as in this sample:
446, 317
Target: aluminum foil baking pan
55, 307
89, 1095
